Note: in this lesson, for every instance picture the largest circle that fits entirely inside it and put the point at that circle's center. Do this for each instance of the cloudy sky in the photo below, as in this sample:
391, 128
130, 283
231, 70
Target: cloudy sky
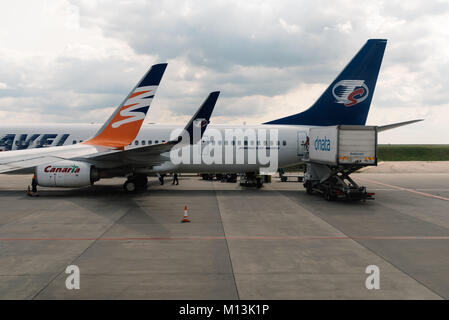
74, 61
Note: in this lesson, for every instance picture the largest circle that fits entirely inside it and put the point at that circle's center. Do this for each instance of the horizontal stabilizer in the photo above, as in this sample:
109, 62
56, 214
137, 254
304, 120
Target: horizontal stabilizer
396, 125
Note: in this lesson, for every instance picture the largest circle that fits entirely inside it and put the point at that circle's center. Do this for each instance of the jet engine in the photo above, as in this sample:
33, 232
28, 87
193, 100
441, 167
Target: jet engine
66, 173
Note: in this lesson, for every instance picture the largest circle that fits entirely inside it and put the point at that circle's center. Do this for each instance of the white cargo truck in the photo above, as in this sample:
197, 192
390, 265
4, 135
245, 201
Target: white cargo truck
343, 145
334, 153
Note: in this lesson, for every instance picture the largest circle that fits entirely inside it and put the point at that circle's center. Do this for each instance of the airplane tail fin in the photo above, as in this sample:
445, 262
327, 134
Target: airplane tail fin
347, 100
200, 120
124, 124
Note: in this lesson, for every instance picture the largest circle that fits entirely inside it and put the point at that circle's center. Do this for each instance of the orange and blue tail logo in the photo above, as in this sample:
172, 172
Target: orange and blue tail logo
136, 107
124, 124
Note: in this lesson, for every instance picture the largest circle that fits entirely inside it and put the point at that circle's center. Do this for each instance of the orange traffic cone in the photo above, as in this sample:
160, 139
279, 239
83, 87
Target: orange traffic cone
186, 217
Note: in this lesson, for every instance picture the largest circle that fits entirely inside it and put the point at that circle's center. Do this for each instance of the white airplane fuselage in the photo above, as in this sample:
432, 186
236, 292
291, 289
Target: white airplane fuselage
288, 142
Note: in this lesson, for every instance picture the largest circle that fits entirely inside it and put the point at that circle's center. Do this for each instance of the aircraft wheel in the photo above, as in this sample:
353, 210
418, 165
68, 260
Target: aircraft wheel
135, 183
142, 182
130, 186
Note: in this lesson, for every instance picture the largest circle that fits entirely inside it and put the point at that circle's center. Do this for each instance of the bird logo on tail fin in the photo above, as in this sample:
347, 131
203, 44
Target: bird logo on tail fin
350, 92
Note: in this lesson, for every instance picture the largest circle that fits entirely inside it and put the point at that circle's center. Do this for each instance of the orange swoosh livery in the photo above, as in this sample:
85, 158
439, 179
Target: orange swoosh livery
124, 124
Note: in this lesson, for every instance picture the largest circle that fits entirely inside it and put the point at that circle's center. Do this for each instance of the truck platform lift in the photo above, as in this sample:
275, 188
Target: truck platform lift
334, 153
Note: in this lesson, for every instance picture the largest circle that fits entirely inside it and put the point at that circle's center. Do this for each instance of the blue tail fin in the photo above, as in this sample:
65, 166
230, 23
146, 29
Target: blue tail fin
201, 118
348, 98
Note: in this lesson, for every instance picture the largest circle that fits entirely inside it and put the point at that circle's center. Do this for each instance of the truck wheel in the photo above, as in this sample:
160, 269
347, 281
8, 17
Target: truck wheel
328, 195
308, 186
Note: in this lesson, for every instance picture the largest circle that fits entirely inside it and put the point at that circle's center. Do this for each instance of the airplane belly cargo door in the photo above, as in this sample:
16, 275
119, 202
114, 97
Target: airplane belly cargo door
301, 140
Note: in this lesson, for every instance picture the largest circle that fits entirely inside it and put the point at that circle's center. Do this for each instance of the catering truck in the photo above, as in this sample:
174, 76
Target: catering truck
334, 153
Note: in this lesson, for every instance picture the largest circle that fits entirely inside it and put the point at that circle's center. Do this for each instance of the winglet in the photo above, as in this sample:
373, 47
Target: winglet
124, 124
200, 119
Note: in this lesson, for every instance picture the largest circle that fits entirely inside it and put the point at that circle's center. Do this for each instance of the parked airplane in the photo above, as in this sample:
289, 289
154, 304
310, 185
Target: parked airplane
106, 154
237, 149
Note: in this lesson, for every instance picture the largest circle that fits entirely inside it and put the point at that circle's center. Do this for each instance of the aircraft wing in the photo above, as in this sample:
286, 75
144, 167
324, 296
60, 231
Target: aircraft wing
17, 160
139, 156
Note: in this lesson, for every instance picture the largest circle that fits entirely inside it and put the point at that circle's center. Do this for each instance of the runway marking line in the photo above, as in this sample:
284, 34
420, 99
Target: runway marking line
237, 238
429, 195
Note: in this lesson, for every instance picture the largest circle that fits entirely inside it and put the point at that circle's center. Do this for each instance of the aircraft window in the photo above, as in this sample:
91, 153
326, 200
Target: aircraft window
233, 142
81, 141
136, 142
149, 142
163, 141
143, 142
156, 141
284, 143
245, 142
74, 142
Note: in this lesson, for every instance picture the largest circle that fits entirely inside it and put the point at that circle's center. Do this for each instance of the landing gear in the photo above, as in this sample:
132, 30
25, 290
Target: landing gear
251, 179
130, 186
135, 183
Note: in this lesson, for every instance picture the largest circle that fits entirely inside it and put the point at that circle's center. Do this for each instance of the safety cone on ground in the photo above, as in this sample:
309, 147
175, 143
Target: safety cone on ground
29, 191
186, 217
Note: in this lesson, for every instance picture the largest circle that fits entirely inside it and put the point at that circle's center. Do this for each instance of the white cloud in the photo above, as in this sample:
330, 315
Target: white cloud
289, 28
74, 60
345, 27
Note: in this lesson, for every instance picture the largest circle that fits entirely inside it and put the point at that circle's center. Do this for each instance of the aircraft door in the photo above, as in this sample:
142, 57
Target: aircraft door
205, 146
301, 138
